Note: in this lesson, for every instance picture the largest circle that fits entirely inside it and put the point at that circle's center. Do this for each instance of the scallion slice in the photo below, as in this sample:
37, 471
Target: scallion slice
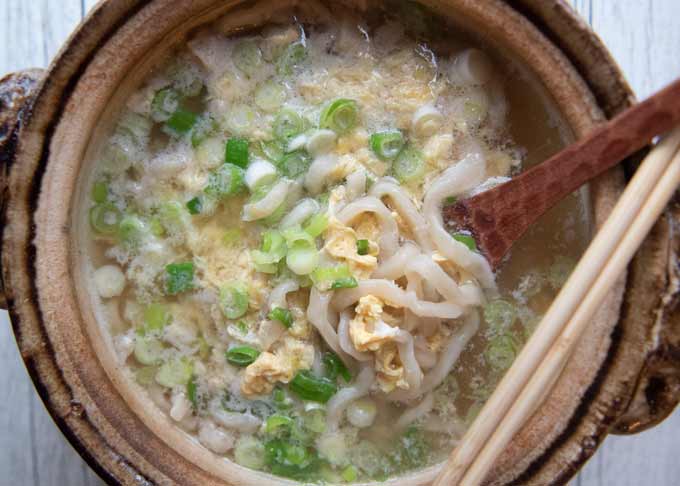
277, 423
362, 247
409, 166
156, 317
195, 205
387, 145
100, 192
340, 116
269, 96
295, 164
227, 180
282, 315
273, 249
165, 102
104, 218
236, 152
334, 367
287, 125
323, 277
192, 392
272, 150
132, 230
501, 352
302, 258
175, 372
467, 240
234, 300
179, 277
247, 57
232, 236
344, 283
313, 388
242, 356
292, 56
317, 224
180, 122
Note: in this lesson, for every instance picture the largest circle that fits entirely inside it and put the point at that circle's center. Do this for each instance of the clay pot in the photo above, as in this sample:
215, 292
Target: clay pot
623, 377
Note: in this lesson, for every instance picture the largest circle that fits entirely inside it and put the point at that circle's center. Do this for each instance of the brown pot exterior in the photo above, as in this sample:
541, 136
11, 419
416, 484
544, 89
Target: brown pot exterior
623, 378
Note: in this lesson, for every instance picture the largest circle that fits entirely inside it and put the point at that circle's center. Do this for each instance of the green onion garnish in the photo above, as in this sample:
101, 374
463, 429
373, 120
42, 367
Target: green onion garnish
175, 372
344, 283
293, 55
387, 145
226, 180
281, 400
349, 474
104, 218
323, 277
232, 236
362, 247
100, 192
340, 116
334, 367
273, 150
450, 200
317, 224
302, 257
131, 230
465, 239
195, 205
242, 356
237, 152
181, 122
164, 104
282, 315
310, 387
269, 96
156, 317
247, 56
287, 125
276, 422
205, 126
234, 300
192, 391
409, 165
179, 277
294, 164
501, 352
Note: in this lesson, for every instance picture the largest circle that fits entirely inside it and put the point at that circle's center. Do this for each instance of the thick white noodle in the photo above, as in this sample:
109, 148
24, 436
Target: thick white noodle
393, 267
346, 343
447, 287
412, 371
397, 297
243, 422
338, 404
356, 184
454, 181
389, 237
414, 413
403, 205
300, 213
319, 173
277, 298
427, 326
268, 204
471, 67
425, 356
317, 314
447, 359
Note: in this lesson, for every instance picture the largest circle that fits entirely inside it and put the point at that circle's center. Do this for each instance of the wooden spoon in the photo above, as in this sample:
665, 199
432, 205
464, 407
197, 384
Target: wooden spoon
500, 216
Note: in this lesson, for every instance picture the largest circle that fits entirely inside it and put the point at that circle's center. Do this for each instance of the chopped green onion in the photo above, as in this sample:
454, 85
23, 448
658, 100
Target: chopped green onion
310, 387
314, 420
179, 277
104, 218
317, 224
192, 391
242, 356
282, 315
234, 300
334, 367
290, 459
294, 234
148, 349
499, 314
131, 230
175, 372
247, 56
181, 122
273, 249
100, 192
276, 422
281, 400
409, 165
145, 376
345, 283
294, 164
387, 145
287, 125
323, 277
240, 118
165, 102
173, 217
340, 116
291, 57
226, 180
467, 240
156, 227
451, 200
156, 317
349, 474
232, 236
501, 352
249, 452
272, 150
205, 126
195, 205
237, 152
362, 247
269, 96
302, 258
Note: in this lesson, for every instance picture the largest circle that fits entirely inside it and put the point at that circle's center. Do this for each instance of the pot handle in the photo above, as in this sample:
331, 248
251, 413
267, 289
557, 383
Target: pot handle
657, 391
16, 94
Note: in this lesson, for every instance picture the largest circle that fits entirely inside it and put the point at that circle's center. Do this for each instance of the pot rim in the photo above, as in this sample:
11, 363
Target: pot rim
30, 352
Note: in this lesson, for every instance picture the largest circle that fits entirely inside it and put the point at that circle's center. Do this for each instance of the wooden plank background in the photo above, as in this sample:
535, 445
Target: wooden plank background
644, 37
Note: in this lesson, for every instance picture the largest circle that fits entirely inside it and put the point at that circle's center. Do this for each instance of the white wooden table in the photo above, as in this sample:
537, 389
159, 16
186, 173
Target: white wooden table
644, 37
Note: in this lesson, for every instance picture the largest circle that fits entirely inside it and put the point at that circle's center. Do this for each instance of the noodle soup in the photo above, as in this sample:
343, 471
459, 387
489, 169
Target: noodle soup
267, 241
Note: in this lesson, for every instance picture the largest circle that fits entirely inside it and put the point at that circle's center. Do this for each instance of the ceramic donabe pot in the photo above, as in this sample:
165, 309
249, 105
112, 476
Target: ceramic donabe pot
623, 377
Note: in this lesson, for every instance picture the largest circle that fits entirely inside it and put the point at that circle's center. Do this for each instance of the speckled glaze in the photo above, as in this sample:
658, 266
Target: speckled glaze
623, 378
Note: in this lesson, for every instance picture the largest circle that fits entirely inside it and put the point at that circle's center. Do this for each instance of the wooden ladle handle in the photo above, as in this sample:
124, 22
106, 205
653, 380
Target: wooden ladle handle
500, 216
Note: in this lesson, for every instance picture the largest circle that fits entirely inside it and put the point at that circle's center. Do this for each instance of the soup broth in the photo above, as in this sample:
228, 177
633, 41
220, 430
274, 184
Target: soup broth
267, 246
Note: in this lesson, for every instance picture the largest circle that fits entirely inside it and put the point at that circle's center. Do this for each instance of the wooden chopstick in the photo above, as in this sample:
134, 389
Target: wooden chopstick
553, 363
572, 295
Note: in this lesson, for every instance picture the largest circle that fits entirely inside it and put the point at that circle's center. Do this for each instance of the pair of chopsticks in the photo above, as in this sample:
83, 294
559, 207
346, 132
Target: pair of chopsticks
542, 359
